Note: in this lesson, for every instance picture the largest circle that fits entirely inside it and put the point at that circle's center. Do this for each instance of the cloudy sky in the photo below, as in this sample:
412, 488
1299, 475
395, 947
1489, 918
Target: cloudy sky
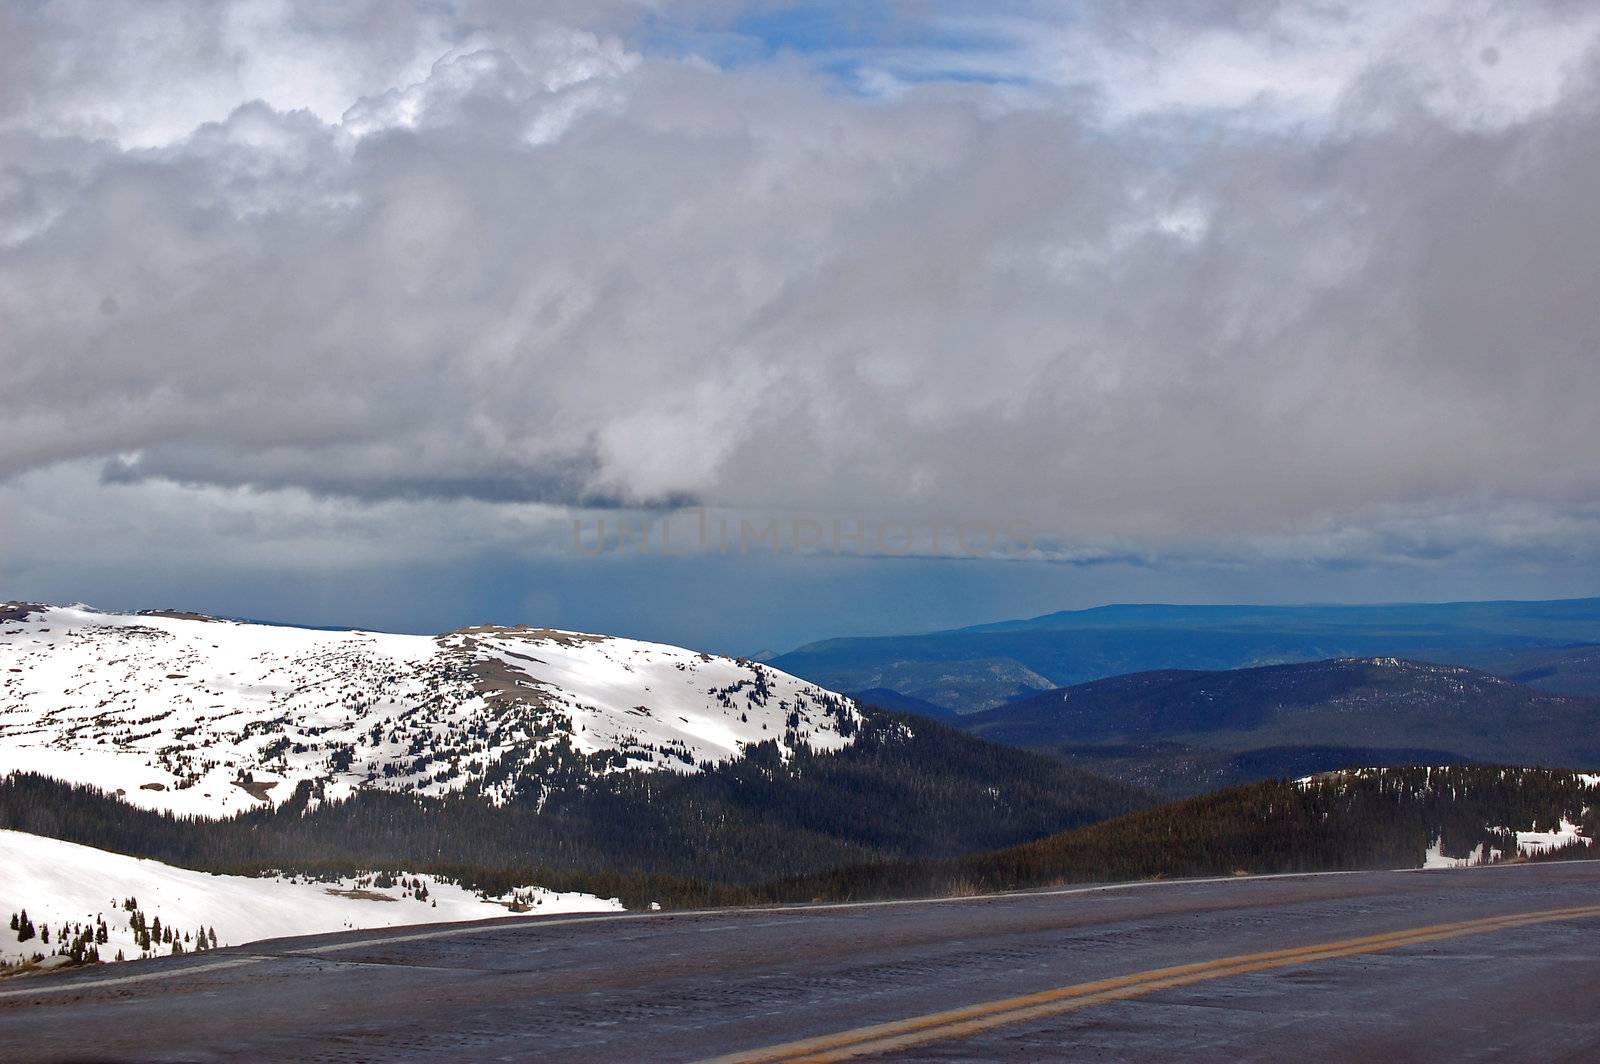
348, 313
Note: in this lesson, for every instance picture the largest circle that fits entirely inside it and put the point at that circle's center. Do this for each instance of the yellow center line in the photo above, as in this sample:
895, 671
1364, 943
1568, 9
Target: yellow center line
972, 1019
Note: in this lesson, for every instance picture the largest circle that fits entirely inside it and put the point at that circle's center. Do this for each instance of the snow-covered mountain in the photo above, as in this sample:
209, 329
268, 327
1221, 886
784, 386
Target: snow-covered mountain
55, 891
207, 717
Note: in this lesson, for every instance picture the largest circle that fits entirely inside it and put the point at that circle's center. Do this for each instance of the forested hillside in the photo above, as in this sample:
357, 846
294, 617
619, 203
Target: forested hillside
904, 788
1183, 732
1376, 818
1568, 670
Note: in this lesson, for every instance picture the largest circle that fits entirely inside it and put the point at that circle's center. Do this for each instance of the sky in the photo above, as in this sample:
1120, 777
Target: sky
850, 318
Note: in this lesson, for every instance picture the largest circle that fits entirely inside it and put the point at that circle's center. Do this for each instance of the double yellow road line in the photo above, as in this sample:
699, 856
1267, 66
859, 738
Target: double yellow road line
973, 1019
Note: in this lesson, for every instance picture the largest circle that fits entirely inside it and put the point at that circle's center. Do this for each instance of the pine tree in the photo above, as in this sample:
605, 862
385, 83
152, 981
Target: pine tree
15, 923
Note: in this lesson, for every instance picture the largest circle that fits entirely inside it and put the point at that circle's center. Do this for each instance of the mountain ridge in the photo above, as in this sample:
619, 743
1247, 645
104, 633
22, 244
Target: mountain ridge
982, 666
232, 746
1181, 731
1365, 818
208, 716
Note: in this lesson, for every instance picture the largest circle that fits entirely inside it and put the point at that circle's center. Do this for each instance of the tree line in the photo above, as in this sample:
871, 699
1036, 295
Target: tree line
905, 788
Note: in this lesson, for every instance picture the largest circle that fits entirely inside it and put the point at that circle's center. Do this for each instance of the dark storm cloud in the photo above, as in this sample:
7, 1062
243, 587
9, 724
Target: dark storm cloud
555, 481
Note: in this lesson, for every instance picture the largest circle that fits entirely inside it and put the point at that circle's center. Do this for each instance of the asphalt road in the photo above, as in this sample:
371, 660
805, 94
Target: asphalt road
1481, 964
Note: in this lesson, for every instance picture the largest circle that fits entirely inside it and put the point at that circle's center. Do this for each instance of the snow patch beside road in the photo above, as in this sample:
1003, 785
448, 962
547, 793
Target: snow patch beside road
62, 883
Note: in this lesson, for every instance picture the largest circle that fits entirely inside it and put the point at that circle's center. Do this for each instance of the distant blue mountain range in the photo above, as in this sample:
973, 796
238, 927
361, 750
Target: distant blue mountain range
1552, 645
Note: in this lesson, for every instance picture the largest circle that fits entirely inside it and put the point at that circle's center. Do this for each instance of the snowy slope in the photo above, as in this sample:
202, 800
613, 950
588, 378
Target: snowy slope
1517, 840
1529, 844
207, 717
60, 883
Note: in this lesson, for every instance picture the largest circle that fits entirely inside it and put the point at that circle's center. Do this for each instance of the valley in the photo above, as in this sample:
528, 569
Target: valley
1182, 732
497, 767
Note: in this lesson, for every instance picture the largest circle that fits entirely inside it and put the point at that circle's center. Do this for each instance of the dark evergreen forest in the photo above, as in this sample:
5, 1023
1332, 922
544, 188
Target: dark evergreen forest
1385, 818
908, 810
902, 790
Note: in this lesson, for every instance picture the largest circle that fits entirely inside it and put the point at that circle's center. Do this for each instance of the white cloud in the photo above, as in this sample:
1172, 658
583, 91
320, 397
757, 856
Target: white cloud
1319, 278
1473, 64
